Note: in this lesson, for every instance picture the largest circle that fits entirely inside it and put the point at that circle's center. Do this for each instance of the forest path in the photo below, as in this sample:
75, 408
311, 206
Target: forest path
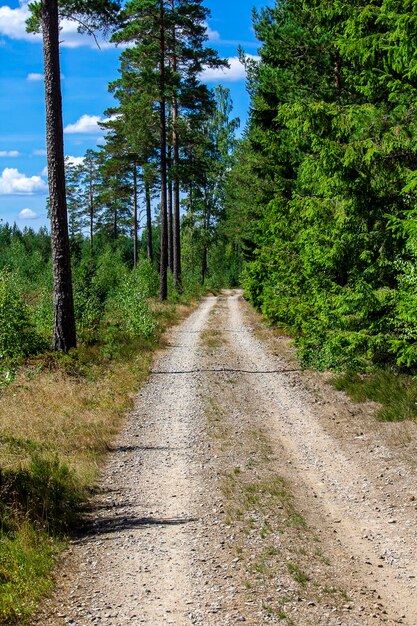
243, 490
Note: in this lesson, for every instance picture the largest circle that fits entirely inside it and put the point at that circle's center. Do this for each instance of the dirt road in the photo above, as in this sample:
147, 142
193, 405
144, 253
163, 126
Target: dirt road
243, 490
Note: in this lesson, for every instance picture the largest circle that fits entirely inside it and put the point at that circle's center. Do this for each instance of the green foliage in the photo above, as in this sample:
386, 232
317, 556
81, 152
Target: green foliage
26, 561
46, 493
17, 334
129, 307
325, 177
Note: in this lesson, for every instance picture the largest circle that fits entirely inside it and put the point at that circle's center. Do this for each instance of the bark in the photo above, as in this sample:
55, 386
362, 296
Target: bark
204, 256
91, 215
176, 216
135, 215
176, 198
149, 245
170, 224
64, 336
163, 162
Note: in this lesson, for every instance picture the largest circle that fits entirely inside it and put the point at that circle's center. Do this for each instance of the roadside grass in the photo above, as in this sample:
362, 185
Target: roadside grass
58, 419
396, 393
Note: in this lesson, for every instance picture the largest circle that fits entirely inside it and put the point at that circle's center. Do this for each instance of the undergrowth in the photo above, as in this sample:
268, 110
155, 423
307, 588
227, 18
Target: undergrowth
396, 393
58, 418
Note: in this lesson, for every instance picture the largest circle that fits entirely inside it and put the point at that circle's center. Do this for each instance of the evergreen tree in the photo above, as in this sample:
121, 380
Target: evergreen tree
45, 18
163, 67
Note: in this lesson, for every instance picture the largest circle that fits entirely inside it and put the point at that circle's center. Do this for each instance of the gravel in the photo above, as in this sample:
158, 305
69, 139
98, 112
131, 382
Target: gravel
158, 546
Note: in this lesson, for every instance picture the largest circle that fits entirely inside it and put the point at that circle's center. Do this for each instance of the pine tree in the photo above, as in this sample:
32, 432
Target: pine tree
45, 18
163, 66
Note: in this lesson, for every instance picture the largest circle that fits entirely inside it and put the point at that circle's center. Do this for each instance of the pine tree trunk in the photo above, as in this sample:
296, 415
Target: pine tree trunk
149, 245
91, 215
170, 224
176, 159
64, 336
176, 216
205, 242
135, 215
163, 162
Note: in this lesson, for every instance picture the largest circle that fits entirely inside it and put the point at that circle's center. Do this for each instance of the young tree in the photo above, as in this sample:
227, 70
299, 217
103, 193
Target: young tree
45, 18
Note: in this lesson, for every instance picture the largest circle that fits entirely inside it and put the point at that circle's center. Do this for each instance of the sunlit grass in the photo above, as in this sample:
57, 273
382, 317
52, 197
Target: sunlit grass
58, 418
397, 393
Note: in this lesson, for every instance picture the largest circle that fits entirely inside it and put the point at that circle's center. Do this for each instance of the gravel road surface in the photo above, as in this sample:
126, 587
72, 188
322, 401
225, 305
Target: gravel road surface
244, 490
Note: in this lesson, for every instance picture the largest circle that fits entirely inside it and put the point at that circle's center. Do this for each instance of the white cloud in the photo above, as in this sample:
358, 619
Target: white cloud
45, 172
213, 35
13, 23
34, 77
13, 26
13, 182
86, 125
9, 153
27, 214
75, 161
41, 152
234, 73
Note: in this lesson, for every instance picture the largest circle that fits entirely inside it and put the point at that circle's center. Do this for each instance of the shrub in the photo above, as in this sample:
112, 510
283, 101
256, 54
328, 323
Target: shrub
17, 333
129, 307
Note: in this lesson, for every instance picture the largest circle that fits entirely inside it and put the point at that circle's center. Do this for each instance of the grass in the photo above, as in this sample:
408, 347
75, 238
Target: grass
211, 338
298, 575
27, 558
58, 419
396, 393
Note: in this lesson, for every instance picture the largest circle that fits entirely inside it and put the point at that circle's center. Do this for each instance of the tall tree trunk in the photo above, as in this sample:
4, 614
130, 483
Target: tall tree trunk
205, 242
91, 197
135, 215
149, 245
170, 225
176, 159
176, 216
64, 336
163, 161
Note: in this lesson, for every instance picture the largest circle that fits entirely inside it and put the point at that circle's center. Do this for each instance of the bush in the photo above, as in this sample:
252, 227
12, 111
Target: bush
17, 333
129, 307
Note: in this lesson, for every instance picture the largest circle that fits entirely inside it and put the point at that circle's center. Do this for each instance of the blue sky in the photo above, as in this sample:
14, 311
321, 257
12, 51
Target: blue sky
86, 72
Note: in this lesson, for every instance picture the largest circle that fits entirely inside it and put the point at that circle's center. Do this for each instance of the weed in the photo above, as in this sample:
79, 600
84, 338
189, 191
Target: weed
211, 338
397, 393
27, 557
298, 575
297, 520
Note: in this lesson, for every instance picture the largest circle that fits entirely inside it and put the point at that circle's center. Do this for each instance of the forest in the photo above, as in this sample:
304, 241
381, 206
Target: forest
311, 210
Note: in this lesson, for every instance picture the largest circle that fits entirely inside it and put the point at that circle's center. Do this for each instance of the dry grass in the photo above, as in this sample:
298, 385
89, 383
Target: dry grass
60, 412
211, 338
70, 415
75, 412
